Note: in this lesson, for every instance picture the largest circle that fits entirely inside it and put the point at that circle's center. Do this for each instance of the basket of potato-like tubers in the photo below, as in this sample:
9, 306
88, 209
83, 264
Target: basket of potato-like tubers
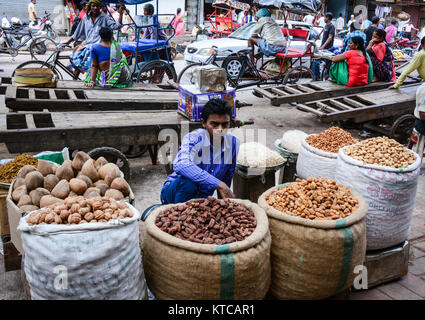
386, 174
41, 186
318, 237
208, 249
83, 249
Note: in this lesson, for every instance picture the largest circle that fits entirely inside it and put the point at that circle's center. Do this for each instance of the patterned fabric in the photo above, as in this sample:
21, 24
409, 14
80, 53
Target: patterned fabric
81, 59
382, 62
119, 73
199, 162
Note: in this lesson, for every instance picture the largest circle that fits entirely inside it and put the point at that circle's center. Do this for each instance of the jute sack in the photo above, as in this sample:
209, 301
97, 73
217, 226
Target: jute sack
314, 259
389, 193
315, 163
185, 270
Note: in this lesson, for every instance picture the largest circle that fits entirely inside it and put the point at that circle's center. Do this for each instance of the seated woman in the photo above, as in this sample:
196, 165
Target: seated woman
358, 64
381, 57
109, 67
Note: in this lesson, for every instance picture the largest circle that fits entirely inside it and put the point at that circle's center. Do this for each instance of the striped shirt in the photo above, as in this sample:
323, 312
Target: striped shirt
197, 161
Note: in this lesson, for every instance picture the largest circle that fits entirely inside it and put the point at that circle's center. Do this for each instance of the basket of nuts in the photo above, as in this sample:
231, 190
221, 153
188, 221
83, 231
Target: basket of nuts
317, 225
318, 153
386, 174
86, 238
208, 249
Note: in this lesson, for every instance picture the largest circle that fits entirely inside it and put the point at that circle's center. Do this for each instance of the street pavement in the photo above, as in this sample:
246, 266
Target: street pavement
148, 179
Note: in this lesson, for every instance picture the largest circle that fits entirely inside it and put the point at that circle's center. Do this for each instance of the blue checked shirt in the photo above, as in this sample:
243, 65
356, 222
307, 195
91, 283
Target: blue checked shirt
199, 162
347, 38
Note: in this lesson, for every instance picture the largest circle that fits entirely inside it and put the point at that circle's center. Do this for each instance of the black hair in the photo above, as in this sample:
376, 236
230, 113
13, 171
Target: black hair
375, 20
381, 33
329, 15
121, 6
353, 27
422, 41
106, 34
394, 22
340, 14
216, 106
359, 42
179, 10
149, 7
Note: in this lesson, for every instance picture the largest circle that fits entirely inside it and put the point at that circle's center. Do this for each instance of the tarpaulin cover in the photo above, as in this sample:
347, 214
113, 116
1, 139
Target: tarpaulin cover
313, 6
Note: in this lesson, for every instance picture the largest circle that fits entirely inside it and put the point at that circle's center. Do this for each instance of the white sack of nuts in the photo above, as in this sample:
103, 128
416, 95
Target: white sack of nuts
318, 153
257, 155
100, 260
389, 189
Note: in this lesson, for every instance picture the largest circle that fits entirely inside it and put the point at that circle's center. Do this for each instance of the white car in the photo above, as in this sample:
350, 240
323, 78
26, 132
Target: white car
199, 51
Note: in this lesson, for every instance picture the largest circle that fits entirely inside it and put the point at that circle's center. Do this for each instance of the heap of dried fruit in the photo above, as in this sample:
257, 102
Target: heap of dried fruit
78, 210
10, 170
381, 151
208, 221
331, 140
314, 199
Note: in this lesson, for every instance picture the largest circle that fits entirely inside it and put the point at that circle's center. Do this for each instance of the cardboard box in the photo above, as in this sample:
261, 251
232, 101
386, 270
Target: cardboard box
4, 219
15, 214
192, 101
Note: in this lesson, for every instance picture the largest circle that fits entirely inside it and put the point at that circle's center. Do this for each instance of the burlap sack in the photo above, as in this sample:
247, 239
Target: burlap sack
185, 270
314, 259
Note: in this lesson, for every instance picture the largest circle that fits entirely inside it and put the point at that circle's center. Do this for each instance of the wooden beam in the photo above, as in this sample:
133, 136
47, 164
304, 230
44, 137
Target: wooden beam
72, 95
279, 92
304, 88
325, 107
52, 94
303, 107
339, 104
293, 90
265, 93
354, 103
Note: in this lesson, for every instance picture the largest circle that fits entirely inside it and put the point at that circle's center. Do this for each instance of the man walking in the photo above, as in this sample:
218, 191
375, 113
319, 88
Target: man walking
327, 43
32, 13
340, 23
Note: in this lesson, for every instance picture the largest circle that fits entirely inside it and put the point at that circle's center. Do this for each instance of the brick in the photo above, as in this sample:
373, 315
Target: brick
371, 294
417, 266
414, 284
397, 292
420, 245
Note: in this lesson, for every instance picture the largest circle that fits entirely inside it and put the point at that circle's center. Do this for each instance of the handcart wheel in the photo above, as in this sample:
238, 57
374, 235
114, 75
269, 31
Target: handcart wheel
402, 128
157, 72
114, 156
298, 75
135, 151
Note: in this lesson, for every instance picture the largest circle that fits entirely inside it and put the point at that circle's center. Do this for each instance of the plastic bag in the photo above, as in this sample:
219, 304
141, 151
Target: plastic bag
58, 157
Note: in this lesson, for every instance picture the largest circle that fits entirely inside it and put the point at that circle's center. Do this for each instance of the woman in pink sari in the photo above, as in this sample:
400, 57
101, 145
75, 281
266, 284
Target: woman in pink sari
178, 23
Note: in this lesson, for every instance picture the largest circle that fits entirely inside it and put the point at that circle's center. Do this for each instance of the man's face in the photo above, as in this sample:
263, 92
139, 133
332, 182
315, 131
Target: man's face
34, 1
121, 9
94, 9
327, 20
147, 13
217, 125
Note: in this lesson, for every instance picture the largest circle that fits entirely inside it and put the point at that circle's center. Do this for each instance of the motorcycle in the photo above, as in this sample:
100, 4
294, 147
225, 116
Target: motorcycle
46, 26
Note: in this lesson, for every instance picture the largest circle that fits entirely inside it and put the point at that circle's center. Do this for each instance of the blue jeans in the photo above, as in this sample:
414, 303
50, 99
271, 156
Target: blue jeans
420, 126
316, 65
181, 190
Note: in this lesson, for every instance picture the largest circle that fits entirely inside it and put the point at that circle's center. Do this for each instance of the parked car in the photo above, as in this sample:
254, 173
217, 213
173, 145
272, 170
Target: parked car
199, 51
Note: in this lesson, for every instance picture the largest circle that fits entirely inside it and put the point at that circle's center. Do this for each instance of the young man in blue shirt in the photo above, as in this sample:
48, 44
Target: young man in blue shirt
206, 159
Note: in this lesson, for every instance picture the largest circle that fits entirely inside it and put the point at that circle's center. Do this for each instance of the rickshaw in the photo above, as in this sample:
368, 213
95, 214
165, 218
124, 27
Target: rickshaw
143, 54
285, 68
222, 24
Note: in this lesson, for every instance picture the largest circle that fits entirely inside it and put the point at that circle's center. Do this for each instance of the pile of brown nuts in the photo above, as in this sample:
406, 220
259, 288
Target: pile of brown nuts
77, 210
208, 221
381, 151
314, 199
331, 140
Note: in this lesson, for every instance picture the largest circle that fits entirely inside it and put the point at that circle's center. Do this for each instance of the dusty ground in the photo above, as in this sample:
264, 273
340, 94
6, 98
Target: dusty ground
148, 179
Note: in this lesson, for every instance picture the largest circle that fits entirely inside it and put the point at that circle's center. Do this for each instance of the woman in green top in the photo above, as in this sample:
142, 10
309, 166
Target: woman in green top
417, 63
109, 68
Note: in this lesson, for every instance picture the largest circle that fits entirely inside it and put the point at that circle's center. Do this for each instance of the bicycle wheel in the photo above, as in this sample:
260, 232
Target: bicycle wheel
42, 47
186, 76
157, 72
38, 64
298, 75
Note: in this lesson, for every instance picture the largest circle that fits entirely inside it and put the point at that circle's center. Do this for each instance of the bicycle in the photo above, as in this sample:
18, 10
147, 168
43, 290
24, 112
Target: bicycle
55, 65
14, 39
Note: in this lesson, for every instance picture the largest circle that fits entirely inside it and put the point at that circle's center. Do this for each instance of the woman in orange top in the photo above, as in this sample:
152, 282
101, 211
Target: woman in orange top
358, 65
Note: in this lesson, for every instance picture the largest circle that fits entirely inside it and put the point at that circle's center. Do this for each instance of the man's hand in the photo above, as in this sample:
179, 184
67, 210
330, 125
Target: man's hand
225, 191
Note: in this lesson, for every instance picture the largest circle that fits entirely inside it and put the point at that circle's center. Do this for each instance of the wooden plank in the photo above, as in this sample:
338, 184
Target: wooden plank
354, 103
72, 95
340, 105
279, 92
315, 86
325, 107
11, 93
303, 107
52, 94
293, 90
304, 88
31, 93
265, 93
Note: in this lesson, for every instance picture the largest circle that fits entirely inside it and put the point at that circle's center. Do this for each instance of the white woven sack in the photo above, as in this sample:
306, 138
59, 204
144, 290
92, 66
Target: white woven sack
315, 163
84, 261
389, 193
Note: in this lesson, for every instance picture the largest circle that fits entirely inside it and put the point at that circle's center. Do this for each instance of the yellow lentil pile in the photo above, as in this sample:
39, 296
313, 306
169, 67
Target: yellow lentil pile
331, 140
314, 199
10, 170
